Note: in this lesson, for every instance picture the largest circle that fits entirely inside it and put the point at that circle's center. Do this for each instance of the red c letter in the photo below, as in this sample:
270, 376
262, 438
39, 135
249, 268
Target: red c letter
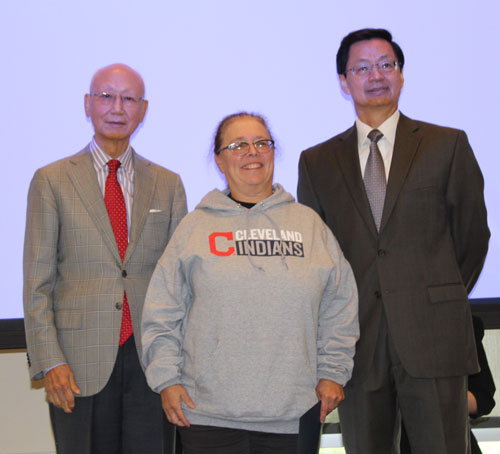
213, 249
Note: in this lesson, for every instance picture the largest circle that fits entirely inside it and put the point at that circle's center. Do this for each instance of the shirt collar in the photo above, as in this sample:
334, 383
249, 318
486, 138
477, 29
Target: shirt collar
387, 128
101, 158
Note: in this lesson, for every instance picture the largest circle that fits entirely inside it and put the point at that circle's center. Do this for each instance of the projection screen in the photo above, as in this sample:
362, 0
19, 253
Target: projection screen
202, 60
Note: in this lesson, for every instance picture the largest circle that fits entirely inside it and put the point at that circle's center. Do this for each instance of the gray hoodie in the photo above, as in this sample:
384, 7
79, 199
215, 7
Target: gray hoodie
248, 309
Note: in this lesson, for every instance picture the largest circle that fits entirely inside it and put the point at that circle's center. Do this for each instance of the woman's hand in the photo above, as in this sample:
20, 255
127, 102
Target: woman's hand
171, 400
330, 394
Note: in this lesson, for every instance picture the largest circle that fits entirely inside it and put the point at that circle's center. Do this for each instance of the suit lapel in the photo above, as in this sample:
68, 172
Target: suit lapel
348, 159
405, 147
144, 185
82, 174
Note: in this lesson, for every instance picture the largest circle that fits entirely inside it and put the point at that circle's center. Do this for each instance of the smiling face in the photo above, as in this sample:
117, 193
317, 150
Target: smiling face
377, 93
115, 122
249, 177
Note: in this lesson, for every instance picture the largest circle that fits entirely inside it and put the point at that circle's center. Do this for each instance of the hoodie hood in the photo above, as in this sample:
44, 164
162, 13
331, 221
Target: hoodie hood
218, 202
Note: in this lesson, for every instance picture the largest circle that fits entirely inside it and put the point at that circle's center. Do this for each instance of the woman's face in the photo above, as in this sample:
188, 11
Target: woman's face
249, 176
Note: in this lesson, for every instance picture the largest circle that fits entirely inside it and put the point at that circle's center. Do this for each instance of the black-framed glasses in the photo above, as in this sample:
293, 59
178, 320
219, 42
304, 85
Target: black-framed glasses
242, 148
364, 69
107, 99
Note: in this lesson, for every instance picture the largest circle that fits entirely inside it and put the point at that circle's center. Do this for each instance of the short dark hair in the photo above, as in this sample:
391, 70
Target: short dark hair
364, 35
224, 123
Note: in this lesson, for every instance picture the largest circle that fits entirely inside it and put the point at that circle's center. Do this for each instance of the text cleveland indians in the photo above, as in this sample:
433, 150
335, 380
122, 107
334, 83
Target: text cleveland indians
257, 242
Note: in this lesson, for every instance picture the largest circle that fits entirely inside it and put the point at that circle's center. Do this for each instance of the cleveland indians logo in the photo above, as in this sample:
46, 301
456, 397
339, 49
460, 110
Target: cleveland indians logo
257, 242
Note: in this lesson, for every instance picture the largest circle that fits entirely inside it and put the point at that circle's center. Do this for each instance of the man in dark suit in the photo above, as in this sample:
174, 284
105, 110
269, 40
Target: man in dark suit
97, 222
405, 200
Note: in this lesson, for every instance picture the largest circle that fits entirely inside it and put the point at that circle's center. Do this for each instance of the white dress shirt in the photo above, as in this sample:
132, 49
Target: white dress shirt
385, 144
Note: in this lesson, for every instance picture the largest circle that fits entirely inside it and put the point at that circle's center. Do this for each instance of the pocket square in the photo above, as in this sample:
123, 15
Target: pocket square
153, 210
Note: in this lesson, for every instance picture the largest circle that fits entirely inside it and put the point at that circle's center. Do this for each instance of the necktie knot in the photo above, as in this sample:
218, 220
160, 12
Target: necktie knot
375, 135
113, 165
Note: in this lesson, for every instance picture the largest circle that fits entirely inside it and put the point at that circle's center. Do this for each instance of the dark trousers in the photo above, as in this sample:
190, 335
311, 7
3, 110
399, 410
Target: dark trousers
434, 410
126, 417
219, 440
405, 444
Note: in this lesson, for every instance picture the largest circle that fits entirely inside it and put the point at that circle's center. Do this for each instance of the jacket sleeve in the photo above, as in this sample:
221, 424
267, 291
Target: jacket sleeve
338, 329
482, 384
39, 276
167, 300
467, 212
305, 190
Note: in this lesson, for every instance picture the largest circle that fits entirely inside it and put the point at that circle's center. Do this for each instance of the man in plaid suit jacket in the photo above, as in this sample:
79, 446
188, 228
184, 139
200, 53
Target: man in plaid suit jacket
75, 279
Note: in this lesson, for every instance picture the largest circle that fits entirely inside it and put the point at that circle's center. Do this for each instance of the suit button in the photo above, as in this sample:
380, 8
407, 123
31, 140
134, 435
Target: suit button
124, 273
119, 305
378, 294
381, 252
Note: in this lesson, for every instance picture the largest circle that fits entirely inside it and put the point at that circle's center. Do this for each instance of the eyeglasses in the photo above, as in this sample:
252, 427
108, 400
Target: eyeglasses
242, 148
107, 99
362, 70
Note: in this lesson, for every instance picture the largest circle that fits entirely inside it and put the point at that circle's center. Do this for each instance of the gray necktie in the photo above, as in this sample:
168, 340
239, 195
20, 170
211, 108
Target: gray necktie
374, 179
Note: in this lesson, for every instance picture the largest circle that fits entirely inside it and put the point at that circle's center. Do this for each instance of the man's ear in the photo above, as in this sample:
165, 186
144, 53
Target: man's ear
144, 108
344, 85
86, 104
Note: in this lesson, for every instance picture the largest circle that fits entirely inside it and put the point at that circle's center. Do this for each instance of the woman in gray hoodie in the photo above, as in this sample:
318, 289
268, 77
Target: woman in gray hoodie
251, 315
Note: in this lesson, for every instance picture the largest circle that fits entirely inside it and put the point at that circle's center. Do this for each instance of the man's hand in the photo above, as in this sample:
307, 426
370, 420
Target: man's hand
471, 403
171, 399
330, 394
60, 386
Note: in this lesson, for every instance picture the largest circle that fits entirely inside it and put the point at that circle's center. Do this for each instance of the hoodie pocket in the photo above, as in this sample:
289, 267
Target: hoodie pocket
250, 383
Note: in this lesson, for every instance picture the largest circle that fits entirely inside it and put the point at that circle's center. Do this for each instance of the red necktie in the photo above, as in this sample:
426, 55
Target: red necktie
115, 204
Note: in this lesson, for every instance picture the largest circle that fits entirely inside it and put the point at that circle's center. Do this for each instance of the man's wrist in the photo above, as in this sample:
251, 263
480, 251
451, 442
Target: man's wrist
52, 367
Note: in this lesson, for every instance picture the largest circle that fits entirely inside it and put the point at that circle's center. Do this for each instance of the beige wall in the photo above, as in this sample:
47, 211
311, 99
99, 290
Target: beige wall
24, 417
491, 342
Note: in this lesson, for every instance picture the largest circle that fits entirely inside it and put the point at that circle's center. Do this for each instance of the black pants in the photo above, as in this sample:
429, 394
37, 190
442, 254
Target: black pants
405, 444
126, 417
218, 440
434, 410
